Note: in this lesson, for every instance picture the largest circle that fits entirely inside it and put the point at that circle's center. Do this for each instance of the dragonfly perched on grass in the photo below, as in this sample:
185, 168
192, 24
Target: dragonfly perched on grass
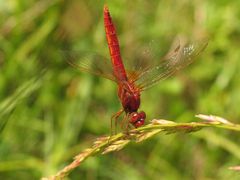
131, 82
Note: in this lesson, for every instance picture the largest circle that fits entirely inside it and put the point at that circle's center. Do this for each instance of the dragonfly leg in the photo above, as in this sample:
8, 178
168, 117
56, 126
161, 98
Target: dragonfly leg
126, 126
125, 119
115, 118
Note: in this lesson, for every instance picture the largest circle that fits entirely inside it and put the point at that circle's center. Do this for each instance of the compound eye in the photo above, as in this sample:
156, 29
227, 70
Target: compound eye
139, 123
134, 117
142, 114
137, 119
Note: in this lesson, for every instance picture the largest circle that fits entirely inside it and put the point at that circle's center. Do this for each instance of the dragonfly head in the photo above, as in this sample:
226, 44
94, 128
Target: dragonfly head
137, 119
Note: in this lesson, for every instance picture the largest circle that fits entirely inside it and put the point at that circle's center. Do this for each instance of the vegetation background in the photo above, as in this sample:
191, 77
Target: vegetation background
49, 111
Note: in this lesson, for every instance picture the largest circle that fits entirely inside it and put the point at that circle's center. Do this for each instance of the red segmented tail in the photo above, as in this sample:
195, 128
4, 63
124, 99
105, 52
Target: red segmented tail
113, 45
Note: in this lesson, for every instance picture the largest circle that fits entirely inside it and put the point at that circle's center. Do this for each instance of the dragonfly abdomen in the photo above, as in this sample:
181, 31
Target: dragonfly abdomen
113, 45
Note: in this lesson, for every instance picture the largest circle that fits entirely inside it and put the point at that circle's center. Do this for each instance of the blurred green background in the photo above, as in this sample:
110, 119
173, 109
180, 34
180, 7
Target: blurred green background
49, 111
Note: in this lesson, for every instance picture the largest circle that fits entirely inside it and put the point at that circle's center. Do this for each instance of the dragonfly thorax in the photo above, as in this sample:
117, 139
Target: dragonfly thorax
129, 96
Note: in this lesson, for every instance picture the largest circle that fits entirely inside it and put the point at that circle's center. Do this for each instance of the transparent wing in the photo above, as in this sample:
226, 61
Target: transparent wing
90, 62
140, 58
181, 54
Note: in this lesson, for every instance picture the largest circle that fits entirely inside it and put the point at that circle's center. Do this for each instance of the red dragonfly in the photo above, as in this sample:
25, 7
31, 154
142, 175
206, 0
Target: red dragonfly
132, 82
